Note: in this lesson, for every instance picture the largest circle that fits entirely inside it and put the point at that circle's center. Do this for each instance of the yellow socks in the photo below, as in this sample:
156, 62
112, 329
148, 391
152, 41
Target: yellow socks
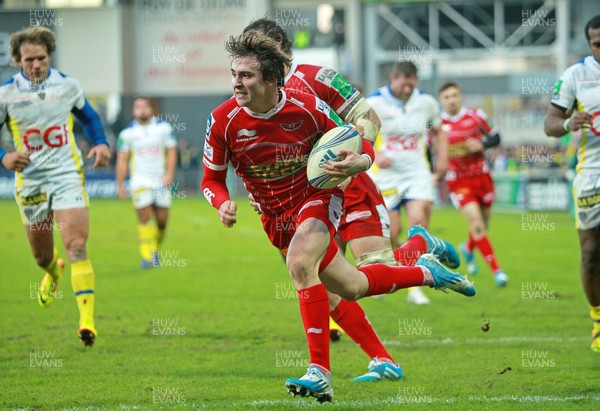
147, 235
82, 280
54, 269
595, 315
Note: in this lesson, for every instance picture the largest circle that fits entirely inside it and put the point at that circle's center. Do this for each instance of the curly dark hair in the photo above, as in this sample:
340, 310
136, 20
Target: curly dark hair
271, 29
272, 61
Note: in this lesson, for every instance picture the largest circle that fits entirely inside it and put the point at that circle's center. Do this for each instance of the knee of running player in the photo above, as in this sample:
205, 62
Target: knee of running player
76, 249
303, 269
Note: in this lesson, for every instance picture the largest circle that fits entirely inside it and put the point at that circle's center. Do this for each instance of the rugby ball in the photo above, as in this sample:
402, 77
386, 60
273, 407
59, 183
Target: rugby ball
327, 149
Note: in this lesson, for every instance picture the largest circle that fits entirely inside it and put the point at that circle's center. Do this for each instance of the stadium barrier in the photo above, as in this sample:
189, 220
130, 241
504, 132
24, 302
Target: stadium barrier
526, 190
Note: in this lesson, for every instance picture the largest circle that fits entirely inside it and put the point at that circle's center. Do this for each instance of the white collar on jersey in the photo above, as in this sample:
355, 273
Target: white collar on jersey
271, 112
387, 91
291, 72
455, 117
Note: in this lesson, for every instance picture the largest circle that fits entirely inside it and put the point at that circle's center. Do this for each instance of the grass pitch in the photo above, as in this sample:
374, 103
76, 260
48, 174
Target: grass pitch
218, 326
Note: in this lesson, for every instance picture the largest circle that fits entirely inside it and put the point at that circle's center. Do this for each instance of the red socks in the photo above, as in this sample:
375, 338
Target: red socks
314, 309
353, 320
487, 251
411, 250
385, 279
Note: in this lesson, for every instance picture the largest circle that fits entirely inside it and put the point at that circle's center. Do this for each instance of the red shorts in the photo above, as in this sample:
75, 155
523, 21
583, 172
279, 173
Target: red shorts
465, 190
324, 205
364, 210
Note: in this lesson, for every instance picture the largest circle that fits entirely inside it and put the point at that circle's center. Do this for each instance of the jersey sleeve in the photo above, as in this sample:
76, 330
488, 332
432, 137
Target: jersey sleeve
123, 145
216, 155
215, 159
434, 120
85, 113
564, 93
483, 121
332, 87
170, 139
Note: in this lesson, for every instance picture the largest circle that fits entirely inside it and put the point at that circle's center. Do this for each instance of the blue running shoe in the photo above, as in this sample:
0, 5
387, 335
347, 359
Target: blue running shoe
313, 384
501, 278
145, 264
378, 370
442, 249
469, 259
444, 278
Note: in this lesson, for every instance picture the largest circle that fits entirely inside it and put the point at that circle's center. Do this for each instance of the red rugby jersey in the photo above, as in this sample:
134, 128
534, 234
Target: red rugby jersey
268, 151
468, 123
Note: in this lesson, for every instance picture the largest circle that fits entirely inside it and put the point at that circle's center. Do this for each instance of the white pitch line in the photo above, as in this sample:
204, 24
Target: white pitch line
500, 340
362, 404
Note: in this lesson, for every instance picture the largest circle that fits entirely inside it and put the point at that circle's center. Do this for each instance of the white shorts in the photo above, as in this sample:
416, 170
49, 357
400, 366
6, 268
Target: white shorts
586, 192
145, 196
415, 188
36, 199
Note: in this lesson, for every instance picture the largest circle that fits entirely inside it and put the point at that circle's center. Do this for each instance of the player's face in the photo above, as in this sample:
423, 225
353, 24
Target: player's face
34, 60
595, 43
451, 100
403, 86
248, 86
142, 110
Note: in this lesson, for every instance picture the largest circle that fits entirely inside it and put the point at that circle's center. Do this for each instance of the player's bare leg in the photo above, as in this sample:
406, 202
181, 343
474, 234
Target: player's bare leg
477, 217
147, 235
74, 230
589, 242
418, 212
41, 241
395, 228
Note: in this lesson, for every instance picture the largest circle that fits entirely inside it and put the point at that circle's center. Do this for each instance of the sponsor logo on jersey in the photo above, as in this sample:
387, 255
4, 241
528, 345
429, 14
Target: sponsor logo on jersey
244, 132
34, 199
556, 89
209, 123
342, 86
279, 169
292, 126
208, 150
325, 75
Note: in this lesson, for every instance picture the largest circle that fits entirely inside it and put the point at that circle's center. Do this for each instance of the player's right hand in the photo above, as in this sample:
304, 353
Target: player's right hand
121, 192
255, 206
228, 213
578, 119
16, 161
383, 161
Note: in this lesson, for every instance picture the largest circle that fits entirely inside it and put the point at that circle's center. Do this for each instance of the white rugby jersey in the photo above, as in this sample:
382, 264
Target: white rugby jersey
147, 145
403, 131
579, 89
39, 117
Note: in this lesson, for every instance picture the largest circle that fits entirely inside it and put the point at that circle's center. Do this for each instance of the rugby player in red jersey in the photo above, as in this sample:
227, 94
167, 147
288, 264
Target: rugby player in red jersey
468, 178
249, 130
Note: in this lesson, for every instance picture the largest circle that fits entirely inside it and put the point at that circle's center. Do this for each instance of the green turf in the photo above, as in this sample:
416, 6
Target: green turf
233, 331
